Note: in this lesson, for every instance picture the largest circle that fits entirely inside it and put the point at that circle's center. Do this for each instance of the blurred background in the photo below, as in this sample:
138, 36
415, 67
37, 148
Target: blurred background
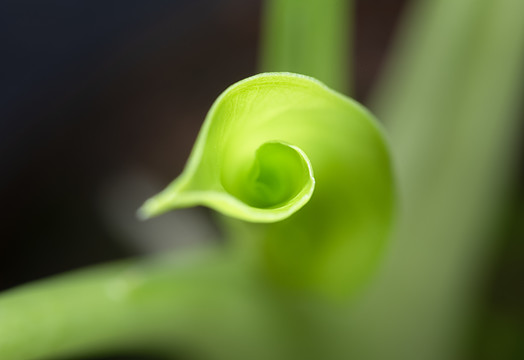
100, 105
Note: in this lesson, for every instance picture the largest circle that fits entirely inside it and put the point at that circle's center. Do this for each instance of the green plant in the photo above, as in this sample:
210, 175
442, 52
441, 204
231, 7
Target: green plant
278, 149
269, 144
321, 205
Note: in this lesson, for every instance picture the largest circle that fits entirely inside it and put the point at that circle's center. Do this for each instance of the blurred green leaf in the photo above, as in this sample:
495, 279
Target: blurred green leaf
450, 100
113, 307
309, 37
203, 303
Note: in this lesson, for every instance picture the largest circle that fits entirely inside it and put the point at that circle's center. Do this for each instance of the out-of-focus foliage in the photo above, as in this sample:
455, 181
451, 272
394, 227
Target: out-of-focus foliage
310, 168
450, 101
309, 37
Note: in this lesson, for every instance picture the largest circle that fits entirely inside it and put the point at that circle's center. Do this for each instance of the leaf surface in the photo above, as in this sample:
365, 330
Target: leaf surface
277, 143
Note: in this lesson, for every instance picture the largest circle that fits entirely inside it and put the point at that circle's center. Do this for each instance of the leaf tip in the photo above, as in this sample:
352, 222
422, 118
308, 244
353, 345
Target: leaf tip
146, 211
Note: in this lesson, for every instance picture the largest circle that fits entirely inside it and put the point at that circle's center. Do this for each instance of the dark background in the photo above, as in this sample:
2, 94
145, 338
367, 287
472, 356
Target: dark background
96, 96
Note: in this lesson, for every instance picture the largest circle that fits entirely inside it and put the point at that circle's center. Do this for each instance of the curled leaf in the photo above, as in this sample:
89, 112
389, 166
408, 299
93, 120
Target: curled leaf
278, 142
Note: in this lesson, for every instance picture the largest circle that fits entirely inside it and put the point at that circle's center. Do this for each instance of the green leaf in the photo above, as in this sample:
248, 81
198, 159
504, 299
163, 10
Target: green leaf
450, 101
254, 159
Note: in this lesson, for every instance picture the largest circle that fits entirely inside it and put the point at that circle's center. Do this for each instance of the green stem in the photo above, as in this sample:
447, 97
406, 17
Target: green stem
450, 100
127, 306
205, 303
309, 37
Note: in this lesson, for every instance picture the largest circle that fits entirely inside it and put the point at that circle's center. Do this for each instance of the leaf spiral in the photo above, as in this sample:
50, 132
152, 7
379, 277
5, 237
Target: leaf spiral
277, 143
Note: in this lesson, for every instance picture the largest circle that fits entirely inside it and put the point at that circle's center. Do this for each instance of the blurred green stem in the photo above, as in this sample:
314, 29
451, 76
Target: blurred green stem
199, 301
309, 37
205, 303
450, 100
109, 308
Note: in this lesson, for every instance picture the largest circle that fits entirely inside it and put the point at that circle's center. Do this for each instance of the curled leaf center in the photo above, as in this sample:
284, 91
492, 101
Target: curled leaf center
277, 175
